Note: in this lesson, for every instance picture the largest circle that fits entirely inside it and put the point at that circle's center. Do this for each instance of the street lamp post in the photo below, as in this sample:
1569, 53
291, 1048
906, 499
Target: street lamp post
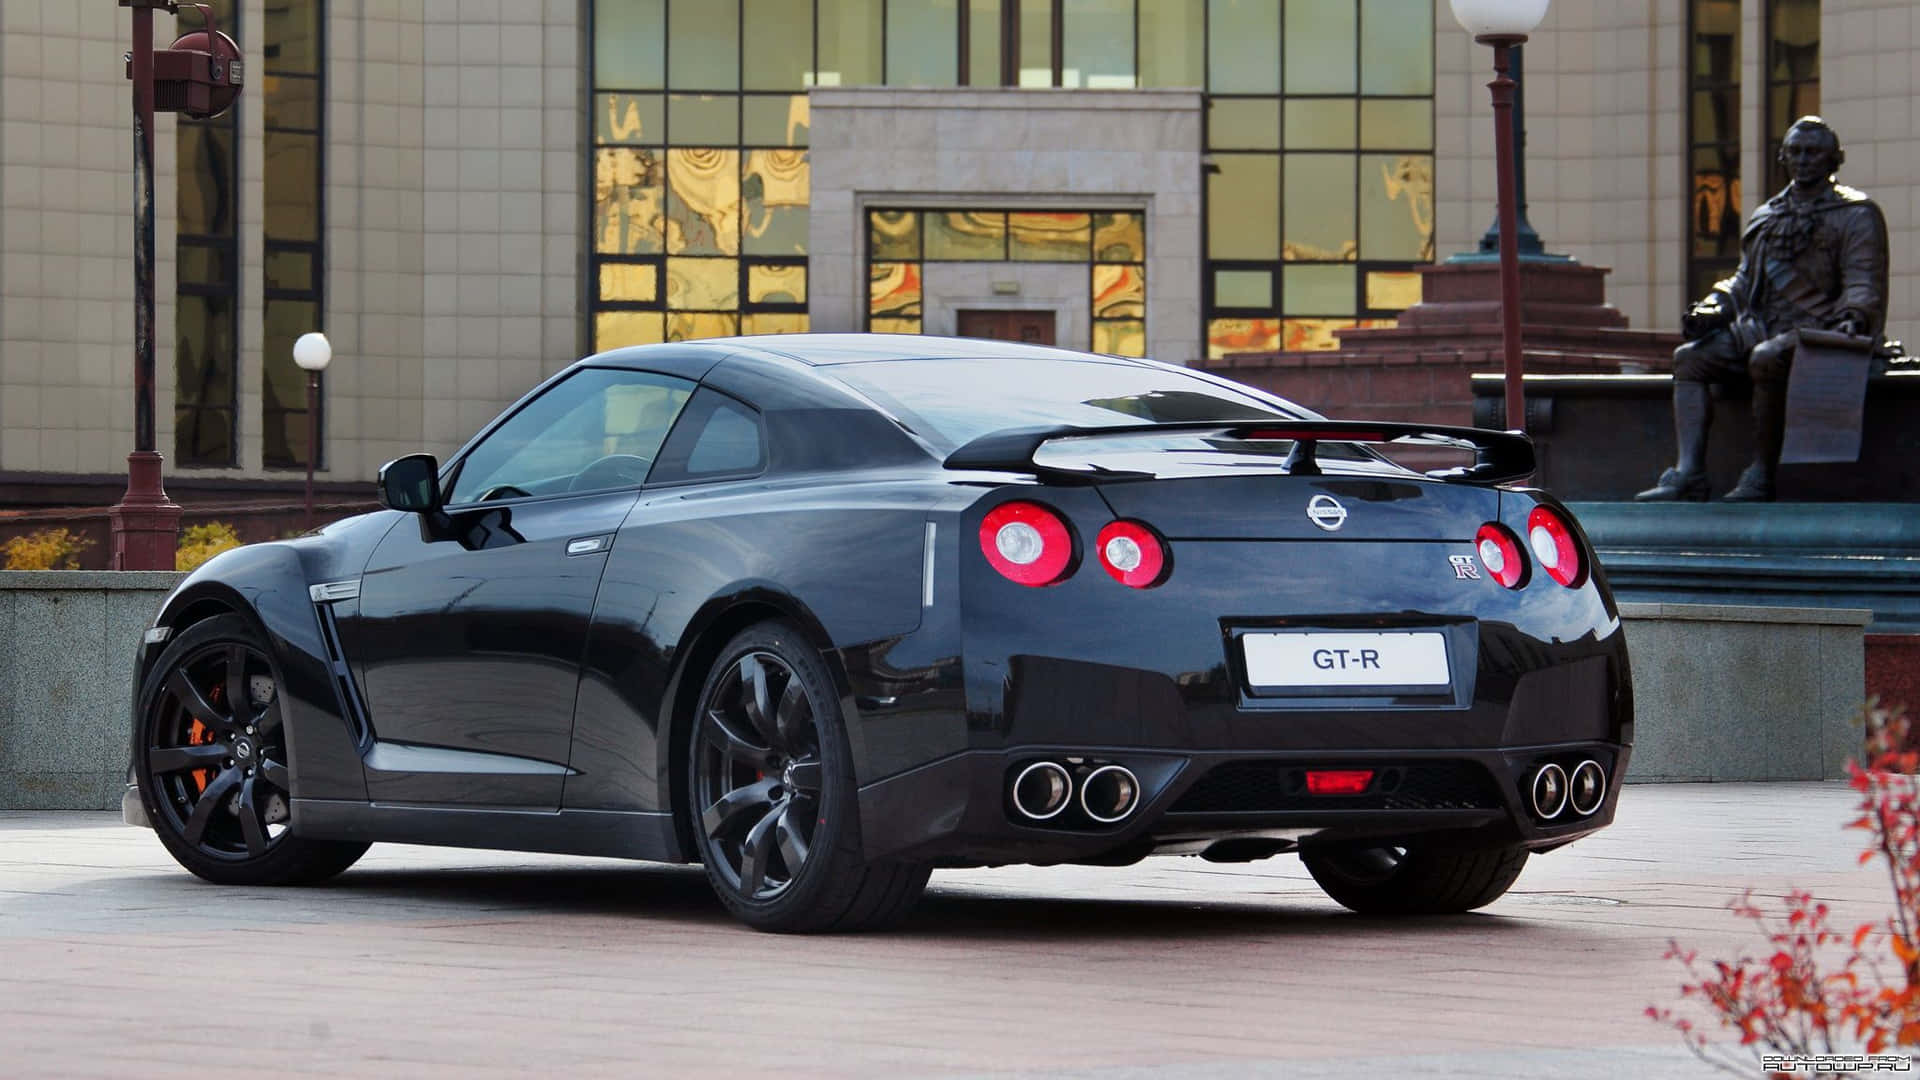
1505, 24
312, 352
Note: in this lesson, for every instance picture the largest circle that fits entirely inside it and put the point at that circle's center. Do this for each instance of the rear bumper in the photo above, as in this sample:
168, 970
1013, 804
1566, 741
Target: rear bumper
957, 810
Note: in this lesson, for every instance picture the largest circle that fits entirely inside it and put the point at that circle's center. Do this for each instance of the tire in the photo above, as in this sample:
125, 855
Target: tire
1414, 881
214, 779
770, 784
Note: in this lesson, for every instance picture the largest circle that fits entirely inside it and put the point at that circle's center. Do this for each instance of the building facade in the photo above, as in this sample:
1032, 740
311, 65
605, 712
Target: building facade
466, 195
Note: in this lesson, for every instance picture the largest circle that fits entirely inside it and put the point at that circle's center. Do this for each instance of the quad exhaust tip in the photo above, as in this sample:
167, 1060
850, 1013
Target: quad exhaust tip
1549, 791
1042, 790
1110, 793
1588, 787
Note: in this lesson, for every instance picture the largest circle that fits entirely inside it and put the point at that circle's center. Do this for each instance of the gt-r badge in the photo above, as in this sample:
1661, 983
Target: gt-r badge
1326, 512
1463, 568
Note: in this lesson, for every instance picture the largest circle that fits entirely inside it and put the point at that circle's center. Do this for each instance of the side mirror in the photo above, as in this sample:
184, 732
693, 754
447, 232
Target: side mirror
411, 483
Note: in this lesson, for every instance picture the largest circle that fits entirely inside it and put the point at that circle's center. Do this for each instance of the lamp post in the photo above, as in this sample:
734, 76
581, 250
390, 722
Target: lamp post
1505, 24
312, 352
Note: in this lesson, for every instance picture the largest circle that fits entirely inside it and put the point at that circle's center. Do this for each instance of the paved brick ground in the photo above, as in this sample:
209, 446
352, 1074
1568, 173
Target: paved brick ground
113, 962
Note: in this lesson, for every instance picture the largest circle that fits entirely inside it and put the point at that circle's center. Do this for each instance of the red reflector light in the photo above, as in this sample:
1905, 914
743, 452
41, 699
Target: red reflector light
1554, 548
1133, 554
1028, 543
1500, 553
1338, 781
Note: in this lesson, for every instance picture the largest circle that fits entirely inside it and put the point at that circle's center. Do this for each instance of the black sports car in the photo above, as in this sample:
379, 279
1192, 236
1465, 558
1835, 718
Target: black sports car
826, 612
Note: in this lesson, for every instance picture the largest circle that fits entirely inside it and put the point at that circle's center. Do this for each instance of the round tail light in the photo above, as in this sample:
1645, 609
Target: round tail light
1133, 554
1027, 543
1554, 547
1500, 553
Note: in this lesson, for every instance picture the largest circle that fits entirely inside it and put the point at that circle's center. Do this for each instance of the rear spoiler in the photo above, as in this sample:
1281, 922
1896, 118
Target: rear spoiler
1498, 456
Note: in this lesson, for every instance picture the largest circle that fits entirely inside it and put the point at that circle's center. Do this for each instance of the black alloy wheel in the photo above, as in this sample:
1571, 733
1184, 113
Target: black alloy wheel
211, 762
770, 794
758, 775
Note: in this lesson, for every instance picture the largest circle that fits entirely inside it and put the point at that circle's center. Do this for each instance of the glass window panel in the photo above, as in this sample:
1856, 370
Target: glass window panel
1390, 290
703, 201
1228, 336
778, 48
1321, 124
1318, 290
1716, 40
923, 43
1396, 207
1396, 46
1243, 289
628, 202
690, 325
773, 193
773, 322
1716, 115
1319, 209
554, 438
1243, 207
199, 264
703, 284
1396, 125
983, 42
775, 121
1243, 123
703, 46
893, 290
292, 38
894, 326
629, 44
1119, 292
1321, 40
1716, 201
203, 380
966, 234
1120, 337
1041, 237
849, 43
1314, 335
784, 284
1119, 238
291, 270
1172, 49
1243, 47
618, 329
292, 102
1036, 44
893, 234
629, 282
1794, 40
703, 119
206, 179
283, 388
291, 194
1097, 44
632, 119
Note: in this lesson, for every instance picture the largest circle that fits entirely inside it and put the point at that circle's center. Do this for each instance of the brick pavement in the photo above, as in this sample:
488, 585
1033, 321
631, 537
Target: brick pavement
432, 962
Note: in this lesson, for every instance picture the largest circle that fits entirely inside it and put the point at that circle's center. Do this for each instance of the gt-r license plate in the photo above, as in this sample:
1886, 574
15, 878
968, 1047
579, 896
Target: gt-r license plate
1317, 660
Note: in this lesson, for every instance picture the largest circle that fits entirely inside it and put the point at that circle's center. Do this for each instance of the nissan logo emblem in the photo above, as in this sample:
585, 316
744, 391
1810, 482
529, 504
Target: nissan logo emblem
1326, 512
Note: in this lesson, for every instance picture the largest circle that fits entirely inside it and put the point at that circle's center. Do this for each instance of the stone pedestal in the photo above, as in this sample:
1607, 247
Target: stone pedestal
1420, 370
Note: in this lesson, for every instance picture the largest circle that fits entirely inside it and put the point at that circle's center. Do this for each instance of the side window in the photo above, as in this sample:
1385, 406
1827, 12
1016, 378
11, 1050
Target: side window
717, 437
599, 429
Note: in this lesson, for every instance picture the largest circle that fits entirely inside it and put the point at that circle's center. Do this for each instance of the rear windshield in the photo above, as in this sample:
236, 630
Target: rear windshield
951, 402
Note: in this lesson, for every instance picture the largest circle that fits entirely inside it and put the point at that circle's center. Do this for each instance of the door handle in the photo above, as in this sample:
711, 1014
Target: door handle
589, 545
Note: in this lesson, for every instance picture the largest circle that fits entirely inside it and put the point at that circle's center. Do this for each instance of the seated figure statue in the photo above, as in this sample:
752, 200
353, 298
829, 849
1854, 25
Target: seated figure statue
1815, 256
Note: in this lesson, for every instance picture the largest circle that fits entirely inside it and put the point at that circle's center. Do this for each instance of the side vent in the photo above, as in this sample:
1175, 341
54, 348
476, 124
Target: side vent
345, 691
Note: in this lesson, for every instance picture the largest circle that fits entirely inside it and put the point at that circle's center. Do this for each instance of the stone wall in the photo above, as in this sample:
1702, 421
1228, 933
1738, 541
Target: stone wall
68, 640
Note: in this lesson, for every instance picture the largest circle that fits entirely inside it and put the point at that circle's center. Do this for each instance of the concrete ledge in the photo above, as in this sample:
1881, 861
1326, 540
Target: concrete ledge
1736, 692
67, 644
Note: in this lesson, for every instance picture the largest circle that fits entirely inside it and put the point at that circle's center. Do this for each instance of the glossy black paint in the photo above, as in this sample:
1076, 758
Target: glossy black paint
522, 697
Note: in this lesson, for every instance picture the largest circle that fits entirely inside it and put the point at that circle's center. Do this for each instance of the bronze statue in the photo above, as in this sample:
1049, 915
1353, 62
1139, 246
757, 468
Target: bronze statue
1813, 257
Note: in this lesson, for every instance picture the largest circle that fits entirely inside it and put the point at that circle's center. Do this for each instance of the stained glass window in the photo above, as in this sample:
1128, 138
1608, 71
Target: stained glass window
1713, 142
292, 193
206, 301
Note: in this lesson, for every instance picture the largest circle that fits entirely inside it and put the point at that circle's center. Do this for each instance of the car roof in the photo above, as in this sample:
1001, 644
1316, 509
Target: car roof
826, 350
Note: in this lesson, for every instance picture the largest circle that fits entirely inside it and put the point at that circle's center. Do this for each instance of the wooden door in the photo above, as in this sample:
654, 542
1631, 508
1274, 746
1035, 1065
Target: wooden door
1032, 327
